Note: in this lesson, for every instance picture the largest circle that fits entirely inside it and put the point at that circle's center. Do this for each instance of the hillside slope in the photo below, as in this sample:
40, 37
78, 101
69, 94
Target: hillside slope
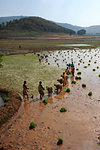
36, 24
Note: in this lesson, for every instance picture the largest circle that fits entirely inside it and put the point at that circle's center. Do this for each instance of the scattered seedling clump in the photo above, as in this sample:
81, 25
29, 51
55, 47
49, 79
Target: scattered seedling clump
77, 78
60, 141
79, 73
32, 125
73, 82
83, 85
45, 101
63, 109
90, 93
68, 90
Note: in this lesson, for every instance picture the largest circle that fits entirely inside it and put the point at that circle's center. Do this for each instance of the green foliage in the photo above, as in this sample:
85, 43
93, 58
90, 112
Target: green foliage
90, 93
45, 101
73, 82
63, 109
60, 141
68, 90
83, 85
99, 75
32, 125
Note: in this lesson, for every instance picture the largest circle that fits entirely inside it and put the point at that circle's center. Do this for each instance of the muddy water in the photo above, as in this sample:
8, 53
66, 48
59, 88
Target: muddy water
79, 126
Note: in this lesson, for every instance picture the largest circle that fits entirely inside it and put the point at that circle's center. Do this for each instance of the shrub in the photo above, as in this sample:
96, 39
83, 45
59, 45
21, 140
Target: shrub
63, 109
83, 85
73, 82
79, 73
45, 101
68, 90
60, 141
32, 125
90, 93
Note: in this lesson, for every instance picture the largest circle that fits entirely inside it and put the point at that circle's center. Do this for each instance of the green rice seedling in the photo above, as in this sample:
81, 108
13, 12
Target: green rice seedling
83, 85
97, 67
60, 141
45, 101
77, 78
99, 75
63, 109
68, 90
93, 69
79, 73
73, 82
32, 125
85, 66
88, 64
90, 93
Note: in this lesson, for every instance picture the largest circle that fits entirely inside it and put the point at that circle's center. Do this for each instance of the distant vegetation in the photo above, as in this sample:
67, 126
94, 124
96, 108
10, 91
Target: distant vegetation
32, 24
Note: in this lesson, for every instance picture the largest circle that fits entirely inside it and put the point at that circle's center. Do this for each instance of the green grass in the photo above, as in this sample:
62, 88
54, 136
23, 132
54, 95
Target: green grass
18, 68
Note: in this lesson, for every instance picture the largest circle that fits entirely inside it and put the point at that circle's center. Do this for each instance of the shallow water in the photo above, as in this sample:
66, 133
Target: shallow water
79, 126
1, 101
73, 45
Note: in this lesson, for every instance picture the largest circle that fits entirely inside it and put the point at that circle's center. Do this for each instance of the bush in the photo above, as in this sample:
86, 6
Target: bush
60, 141
32, 125
45, 101
90, 93
68, 90
73, 82
83, 85
63, 109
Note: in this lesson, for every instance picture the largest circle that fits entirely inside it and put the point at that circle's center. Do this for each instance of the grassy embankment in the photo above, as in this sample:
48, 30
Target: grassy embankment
18, 68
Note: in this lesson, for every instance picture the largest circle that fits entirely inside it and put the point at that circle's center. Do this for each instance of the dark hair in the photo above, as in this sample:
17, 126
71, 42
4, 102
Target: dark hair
40, 82
24, 82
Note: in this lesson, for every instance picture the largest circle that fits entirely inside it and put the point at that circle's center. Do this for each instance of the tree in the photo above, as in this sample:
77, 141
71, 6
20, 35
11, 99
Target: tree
81, 32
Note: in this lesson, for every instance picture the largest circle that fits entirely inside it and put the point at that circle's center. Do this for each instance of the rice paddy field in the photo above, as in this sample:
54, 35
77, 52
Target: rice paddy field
77, 128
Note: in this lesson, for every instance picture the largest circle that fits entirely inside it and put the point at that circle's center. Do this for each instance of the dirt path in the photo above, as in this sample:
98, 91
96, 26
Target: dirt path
79, 126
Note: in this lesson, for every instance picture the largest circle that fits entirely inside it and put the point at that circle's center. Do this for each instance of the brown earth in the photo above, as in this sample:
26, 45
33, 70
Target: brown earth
79, 126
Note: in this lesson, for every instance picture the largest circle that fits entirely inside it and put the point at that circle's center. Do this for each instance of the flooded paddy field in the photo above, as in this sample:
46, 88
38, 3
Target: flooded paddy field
79, 126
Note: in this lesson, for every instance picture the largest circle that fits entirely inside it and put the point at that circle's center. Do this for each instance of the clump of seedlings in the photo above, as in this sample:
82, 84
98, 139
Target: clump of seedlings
79, 73
77, 69
63, 109
68, 90
85, 66
73, 82
45, 101
97, 67
60, 141
78, 78
83, 85
93, 69
99, 75
90, 93
32, 125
